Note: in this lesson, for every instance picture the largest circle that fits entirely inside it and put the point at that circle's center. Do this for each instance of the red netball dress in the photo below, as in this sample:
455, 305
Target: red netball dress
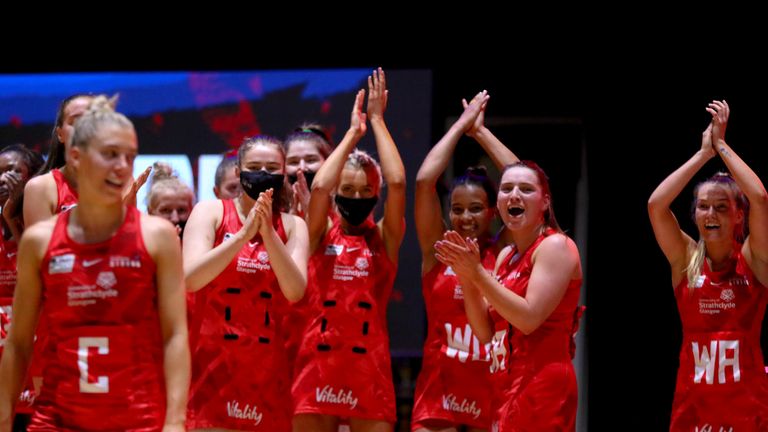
8, 249
7, 267
343, 368
7, 285
721, 383
104, 354
65, 194
536, 384
301, 313
453, 356
240, 373
66, 198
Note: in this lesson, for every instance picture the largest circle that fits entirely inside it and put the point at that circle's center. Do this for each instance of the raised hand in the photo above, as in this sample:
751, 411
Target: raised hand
377, 94
13, 188
706, 142
264, 211
720, 112
462, 255
473, 117
358, 118
301, 193
129, 197
252, 223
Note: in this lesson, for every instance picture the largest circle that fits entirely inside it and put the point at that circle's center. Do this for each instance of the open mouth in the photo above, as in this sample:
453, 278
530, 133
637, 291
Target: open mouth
114, 183
711, 226
515, 211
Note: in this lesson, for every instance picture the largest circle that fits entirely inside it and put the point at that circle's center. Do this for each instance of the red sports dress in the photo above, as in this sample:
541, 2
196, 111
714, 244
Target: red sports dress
8, 249
65, 194
7, 267
301, 313
104, 354
66, 198
536, 383
721, 382
240, 373
7, 285
343, 368
453, 356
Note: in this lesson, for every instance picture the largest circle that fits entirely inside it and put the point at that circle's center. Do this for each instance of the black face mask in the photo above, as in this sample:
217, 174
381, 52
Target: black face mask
308, 175
355, 210
256, 182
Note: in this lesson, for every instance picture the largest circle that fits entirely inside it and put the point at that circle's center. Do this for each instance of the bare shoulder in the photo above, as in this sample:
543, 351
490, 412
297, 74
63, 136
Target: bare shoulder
214, 205
292, 222
559, 249
42, 187
208, 210
157, 232
155, 224
559, 242
40, 183
38, 236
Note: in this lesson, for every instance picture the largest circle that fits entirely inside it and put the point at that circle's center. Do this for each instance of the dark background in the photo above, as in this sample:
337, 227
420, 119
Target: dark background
642, 113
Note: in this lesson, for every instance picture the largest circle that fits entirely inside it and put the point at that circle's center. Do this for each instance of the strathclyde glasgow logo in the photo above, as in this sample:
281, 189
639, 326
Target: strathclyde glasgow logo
106, 280
361, 263
727, 295
263, 257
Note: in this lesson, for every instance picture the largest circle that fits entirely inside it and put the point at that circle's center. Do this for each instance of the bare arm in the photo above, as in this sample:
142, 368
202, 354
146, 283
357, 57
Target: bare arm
499, 153
427, 211
202, 261
289, 260
26, 309
43, 206
163, 244
671, 239
327, 176
756, 246
555, 264
392, 225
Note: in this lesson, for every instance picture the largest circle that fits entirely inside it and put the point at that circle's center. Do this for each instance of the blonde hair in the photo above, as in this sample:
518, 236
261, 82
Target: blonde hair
164, 178
100, 112
696, 263
696, 260
360, 159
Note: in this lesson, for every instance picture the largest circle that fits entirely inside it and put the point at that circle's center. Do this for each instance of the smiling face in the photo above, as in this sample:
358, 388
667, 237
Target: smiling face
716, 214
105, 163
470, 214
521, 201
